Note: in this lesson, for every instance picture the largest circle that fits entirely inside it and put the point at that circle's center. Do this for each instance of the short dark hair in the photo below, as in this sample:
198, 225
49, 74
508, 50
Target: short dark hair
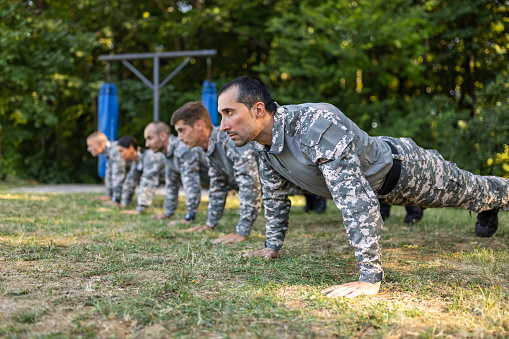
127, 141
251, 90
160, 127
190, 113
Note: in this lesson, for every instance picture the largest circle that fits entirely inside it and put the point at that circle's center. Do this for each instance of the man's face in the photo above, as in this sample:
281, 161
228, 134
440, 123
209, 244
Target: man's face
189, 135
237, 120
95, 147
127, 154
153, 140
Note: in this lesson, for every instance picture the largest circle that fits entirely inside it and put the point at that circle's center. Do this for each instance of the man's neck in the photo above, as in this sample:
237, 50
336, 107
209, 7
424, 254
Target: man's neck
204, 143
165, 147
265, 135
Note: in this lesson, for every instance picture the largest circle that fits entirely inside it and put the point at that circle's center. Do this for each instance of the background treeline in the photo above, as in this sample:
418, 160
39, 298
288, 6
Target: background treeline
435, 71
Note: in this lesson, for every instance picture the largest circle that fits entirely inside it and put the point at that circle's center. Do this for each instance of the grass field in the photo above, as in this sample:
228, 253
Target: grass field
72, 268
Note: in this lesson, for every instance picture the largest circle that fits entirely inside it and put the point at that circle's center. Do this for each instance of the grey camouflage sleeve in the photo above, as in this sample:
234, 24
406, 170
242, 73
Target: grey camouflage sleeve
190, 176
248, 180
107, 180
171, 190
129, 185
276, 203
152, 163
361, 212
118, 168
218, 190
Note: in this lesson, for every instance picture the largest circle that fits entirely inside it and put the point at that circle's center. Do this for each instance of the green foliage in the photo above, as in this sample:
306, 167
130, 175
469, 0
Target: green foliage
420, 69
44, 94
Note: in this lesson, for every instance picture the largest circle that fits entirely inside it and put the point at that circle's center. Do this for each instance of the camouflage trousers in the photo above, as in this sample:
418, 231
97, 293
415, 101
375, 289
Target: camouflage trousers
428, 180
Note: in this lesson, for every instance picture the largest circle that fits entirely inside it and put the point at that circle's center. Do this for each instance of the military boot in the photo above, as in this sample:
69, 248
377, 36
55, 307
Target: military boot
413, 214
385, 210
310, 203
320, 204
487, 223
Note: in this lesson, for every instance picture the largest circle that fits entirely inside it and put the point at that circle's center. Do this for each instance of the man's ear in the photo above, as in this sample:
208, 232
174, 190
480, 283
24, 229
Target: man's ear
163, 135
259, 108
199, 124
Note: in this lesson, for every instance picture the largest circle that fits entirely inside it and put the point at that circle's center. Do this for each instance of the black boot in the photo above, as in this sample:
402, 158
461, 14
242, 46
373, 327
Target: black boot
487, 223
320, 204
385, 210
310, 202
413, 214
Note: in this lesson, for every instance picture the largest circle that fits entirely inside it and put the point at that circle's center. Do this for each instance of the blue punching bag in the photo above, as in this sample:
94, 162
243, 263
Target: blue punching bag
209, 98
107, 118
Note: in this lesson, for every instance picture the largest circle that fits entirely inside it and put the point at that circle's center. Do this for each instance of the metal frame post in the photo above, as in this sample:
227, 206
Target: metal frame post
156, 88
156, 85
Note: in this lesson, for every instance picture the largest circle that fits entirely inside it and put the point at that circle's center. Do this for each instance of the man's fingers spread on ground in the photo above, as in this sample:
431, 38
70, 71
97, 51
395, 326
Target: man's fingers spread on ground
354, 293
338, 292
176, 222
132, 212
328, 289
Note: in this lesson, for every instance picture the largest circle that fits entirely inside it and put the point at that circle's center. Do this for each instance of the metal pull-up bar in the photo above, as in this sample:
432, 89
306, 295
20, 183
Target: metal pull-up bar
156, 86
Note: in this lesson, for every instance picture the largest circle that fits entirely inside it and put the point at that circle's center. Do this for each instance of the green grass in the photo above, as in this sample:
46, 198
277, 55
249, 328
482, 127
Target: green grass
70, 267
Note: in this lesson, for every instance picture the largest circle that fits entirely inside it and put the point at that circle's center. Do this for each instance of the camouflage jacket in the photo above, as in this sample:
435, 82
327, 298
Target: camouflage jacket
236, 168
318, 148
145, 171
116, 169
189, 167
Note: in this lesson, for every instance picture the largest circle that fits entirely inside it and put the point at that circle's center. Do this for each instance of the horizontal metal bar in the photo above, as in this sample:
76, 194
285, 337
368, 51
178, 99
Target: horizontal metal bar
132, 56
138, 74
175, 71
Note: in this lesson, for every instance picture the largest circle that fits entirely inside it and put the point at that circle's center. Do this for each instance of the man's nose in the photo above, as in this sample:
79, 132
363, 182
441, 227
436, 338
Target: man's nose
224, 125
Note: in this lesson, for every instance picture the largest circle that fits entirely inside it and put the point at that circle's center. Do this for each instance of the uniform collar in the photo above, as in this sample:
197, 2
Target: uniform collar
278, 133
172, 145
213, 140
107, 148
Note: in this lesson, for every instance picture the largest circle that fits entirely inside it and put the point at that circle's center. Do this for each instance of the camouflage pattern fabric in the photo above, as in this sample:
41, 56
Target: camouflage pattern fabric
428, 180
236, 168
116, 169
188, 167
319, 149
145, 172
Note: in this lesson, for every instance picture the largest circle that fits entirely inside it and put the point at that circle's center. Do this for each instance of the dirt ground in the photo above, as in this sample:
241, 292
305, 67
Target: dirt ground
77, 188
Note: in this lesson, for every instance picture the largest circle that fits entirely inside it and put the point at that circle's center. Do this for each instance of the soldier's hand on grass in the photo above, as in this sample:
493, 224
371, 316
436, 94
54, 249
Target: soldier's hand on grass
229, 238
102, 198
177, 222
131, 212
266, 253
352, 289
110, 203
159, 216
199, 228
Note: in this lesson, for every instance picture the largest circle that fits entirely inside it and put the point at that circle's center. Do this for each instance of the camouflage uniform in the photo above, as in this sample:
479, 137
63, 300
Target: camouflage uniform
318, 148
116, 169
235, 168
189, 167
145, 172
